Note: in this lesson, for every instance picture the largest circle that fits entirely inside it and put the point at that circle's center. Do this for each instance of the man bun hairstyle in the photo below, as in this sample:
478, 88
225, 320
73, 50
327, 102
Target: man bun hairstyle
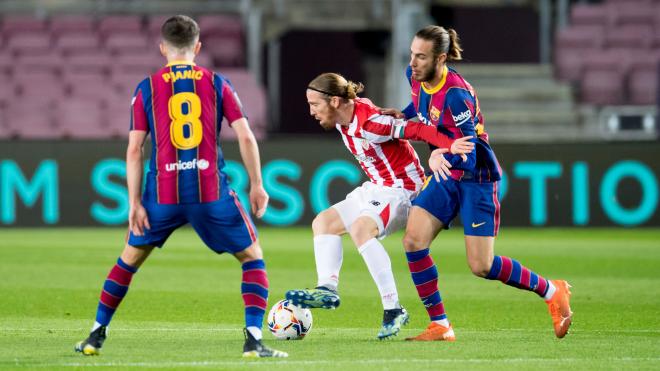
444, 41
180, 31
334, 84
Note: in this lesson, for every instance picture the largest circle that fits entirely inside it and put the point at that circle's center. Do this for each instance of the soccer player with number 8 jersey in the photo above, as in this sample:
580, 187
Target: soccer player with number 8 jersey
181, 108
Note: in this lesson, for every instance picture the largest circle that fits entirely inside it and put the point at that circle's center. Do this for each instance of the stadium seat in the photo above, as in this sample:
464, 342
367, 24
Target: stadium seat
603, 79
8, 93
118, 115
154, 23
72, 43
71, 24
80, 119
88, 86
7, 62
629, 37
571, 44
17, 24
124, 83
5, 133
116, 24
50, 62
643, 79
129, 43
590, 15
624, 14
98, 62
29, 43
225, 51
139, 63
656, 37
31, 120
205, 60
221, 25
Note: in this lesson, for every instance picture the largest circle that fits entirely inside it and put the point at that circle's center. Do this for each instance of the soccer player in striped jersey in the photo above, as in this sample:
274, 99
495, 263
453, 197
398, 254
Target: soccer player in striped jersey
443, 99
378, 207
181, 108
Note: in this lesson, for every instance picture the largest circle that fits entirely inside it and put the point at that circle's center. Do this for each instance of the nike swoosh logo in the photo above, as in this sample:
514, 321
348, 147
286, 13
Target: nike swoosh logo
474, 225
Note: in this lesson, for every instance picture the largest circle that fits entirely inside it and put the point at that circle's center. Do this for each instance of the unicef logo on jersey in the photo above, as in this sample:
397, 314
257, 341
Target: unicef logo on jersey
200, 164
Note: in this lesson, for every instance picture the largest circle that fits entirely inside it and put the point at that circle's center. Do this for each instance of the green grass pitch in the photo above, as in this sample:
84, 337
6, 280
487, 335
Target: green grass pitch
184, 308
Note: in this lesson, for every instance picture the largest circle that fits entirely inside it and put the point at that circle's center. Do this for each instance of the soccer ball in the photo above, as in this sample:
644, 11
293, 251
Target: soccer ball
289, 322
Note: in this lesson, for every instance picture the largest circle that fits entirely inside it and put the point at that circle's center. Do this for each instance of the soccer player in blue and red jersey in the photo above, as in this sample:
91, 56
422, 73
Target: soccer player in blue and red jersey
442, 98
181, 107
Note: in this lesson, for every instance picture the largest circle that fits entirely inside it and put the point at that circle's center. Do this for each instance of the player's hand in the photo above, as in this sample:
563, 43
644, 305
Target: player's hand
258, 201
439, 164
461, 146
138, 220
391, 112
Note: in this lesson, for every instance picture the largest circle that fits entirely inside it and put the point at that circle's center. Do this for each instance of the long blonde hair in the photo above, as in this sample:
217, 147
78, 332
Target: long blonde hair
333, 84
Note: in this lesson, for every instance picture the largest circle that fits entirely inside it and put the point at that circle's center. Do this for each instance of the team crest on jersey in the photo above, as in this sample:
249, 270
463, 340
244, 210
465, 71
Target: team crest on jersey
365, 144
435, 113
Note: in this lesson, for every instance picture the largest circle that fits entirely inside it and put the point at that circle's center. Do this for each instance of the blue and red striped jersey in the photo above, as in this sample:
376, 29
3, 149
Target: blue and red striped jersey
453, 107
181, 106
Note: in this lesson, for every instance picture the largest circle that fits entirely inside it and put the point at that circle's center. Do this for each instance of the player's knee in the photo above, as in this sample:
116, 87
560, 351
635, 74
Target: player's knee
327, 222
135, 255
253, 252
320, 224
480, 268
411, 242
362, 230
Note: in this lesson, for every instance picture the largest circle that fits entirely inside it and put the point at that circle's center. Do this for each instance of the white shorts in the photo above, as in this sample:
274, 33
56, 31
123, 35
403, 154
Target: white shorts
387, 206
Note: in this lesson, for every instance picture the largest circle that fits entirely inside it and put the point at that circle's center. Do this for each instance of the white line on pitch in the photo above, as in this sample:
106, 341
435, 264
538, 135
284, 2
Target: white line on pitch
272, 362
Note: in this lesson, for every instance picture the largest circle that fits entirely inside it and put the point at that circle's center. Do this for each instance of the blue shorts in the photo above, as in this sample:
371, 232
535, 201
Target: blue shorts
223, 225
478, 204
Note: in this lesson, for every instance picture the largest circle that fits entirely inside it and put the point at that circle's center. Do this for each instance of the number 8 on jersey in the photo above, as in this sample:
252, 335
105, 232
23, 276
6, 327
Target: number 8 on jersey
189, 119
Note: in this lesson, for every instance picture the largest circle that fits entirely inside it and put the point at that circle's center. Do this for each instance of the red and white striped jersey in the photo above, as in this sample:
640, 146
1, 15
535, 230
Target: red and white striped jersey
386, 160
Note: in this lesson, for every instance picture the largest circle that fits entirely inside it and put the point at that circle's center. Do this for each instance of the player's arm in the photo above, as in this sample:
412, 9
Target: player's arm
381, 128
247, 143
137, 215
457, 102
418, 131
139, 128
406, 113
249, 149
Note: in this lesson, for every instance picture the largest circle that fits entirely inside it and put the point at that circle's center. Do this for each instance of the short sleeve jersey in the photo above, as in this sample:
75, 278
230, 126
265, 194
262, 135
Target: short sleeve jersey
182, 106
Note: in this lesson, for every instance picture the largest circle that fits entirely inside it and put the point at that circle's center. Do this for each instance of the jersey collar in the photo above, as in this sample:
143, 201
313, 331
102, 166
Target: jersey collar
440, 84
191, 63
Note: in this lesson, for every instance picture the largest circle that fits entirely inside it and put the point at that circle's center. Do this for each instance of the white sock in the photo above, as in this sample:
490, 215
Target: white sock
551, 291
328, 253
380, 267
96, 325
255, 331
443, 322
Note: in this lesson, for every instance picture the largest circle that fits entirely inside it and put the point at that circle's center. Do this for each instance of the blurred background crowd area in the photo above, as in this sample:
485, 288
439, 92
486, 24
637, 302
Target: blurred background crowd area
544, 71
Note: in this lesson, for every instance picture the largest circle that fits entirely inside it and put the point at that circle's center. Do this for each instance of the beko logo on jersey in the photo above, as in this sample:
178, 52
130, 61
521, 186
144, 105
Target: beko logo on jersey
200, 164
462, 117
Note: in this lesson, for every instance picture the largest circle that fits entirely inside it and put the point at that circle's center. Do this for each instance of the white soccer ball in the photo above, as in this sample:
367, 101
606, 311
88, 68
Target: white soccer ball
289, 322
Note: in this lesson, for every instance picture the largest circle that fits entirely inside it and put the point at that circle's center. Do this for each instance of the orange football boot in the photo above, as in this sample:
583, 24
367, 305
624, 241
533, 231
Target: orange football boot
435, 332
560, 309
